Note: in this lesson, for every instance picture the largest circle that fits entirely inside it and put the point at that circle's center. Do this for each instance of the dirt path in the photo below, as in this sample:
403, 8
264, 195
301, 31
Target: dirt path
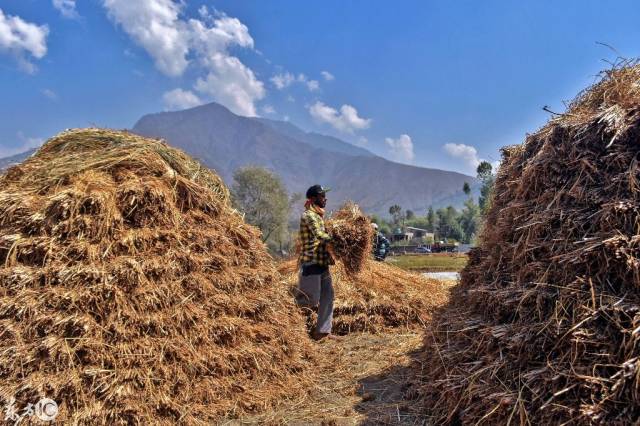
358, 387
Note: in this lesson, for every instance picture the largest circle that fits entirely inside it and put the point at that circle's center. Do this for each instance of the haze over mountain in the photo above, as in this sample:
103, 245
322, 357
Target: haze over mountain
15, 159
225, 141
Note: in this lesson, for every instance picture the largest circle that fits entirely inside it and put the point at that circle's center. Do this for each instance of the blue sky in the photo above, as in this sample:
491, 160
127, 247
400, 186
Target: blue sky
439, 84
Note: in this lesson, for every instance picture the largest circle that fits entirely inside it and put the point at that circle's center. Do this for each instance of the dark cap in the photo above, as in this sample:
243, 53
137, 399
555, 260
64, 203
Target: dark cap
316, 190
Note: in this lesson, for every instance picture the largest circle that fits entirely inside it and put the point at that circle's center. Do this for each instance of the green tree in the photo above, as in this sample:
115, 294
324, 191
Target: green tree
383, 225
431, 220
262, 197
484, 170
466, 188
409, 214
487, 178
469, 220
396, 214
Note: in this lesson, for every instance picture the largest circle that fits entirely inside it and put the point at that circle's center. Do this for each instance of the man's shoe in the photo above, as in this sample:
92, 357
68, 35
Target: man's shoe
321, 336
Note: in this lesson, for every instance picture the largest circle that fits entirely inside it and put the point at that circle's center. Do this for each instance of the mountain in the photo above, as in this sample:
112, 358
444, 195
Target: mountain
15, 159
315, 139
225, 141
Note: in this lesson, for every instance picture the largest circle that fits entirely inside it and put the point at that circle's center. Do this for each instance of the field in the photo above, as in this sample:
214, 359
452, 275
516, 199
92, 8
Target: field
430, 262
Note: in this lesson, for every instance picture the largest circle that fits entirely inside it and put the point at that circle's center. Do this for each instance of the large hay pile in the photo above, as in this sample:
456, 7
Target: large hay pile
545, 325
381, 296
130, 292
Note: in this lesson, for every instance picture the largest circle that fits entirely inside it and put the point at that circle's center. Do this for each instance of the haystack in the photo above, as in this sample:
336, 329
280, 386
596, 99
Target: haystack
130, 292
380, 297
352, 236
545, 325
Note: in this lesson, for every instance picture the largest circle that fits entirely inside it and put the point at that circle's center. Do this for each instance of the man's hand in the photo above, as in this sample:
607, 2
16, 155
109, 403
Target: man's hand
332, 254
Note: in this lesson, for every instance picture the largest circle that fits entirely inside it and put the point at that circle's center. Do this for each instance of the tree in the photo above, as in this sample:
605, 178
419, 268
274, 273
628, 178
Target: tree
383, 225
263, 198
466, 188
396, 214
431, 220
469, 220
484, 170
409, 214
486, 176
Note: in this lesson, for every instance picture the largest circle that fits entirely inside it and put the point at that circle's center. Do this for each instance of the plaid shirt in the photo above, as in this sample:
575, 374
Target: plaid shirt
314, 239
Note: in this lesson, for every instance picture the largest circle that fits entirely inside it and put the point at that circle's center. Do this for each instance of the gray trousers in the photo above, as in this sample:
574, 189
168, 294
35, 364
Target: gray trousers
317, 290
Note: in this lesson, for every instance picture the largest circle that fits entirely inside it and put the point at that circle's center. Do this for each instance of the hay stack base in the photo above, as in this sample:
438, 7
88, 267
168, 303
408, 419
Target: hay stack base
545, 326
380, 297
130, 292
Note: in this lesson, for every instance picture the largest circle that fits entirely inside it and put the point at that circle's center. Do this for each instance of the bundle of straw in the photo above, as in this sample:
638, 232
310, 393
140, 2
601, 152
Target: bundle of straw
352, 237
544, 327
131, 292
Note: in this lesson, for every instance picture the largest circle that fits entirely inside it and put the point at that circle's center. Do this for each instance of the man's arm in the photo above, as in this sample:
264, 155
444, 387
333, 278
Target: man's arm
317, 229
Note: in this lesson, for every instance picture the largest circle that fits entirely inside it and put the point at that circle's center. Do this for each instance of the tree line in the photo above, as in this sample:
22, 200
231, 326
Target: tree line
446, 223
262, 198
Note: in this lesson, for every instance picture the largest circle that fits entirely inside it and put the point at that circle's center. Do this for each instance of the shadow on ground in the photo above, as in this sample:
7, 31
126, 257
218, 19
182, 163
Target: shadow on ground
386, 396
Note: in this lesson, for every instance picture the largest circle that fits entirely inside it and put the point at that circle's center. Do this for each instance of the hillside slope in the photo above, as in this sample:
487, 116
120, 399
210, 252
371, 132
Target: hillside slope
225, 141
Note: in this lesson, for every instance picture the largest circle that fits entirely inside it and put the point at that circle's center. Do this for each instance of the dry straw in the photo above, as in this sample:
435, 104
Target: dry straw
545, 325
351, 237
380, 297
131, 293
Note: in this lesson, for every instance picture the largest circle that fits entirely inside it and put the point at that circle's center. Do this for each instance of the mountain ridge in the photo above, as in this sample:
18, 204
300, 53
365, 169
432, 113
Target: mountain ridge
225, 141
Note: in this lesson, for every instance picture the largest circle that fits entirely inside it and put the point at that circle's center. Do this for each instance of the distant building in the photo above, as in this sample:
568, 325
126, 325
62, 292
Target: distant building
411, 233
419, 233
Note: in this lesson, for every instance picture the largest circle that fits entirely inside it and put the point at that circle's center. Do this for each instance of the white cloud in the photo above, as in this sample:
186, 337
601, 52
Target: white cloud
291, 99
282, 81
232, 84
313, 85
286, 79
268, 109
67, 8
347, 120
467, 153
50, 94
327, 76
178, 99
362, 141
19, 38
401, 149
174, 43
285, 118
155, 25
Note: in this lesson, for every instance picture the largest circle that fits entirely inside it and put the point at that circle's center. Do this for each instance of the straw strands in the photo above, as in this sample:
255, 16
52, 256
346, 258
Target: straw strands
380, 297
351, 237
545, 325
131, 292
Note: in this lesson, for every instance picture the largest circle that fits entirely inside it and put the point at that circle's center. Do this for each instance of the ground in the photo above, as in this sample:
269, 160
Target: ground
438, 262
357, 385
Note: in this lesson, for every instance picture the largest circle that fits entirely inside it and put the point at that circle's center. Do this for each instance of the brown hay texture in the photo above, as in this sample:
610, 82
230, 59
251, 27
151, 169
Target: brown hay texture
544, 327
380, 297
352, 237
131, 292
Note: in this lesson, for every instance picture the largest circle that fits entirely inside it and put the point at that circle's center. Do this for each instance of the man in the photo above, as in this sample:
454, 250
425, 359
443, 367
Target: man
380, 244
315, 286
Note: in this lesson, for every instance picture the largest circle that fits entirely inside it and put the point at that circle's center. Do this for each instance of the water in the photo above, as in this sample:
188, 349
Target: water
443, 275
